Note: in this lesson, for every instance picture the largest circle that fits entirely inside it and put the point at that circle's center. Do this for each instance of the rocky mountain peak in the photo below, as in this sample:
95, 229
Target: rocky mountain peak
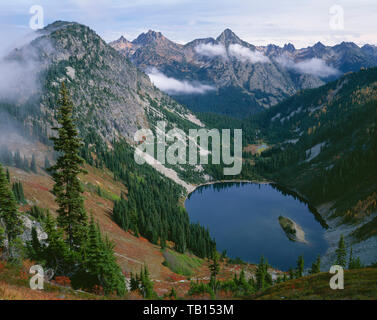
369, 49
123, 39
122, 45
347, 45
149, 37
228, 37
289, 47
319, 45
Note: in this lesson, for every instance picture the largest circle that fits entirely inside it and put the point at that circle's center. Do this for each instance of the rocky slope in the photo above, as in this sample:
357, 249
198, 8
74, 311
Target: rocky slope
112, 97
228, 75
110, 93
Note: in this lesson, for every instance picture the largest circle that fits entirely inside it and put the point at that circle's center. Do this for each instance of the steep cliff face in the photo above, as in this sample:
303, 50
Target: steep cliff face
245, 78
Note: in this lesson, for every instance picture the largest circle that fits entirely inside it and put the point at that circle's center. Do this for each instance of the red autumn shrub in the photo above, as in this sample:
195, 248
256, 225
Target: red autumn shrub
63, 281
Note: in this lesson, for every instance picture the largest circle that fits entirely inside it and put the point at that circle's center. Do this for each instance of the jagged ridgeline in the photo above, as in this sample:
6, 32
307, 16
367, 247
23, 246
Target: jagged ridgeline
112, 99
325, 145
237, 78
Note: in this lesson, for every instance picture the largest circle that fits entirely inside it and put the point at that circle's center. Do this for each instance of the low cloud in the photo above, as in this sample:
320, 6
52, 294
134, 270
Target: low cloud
177, 87
19, 69
315, 66
211, 50
246, 55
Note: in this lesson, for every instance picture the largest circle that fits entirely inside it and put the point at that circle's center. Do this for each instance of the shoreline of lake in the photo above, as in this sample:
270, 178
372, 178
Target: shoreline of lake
247, 216
196, 186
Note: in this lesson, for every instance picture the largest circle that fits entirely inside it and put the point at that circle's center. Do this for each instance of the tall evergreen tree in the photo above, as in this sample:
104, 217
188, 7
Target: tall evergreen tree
8, 212
8, 175
215, 269
354, 263
18, 192
134, 282
300, 266
33, 164
17, 160
341, 253
263, 278
34, 247
291, 274
25, 165
316, 266
67, 189
146, 285
99, 267
55, 254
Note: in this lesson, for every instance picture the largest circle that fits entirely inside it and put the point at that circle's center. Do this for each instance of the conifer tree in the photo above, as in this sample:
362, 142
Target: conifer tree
34, 247
72, 216
291, 274
300, 266
354, 263
163, 241
8, 175
316, 265
99, 267
134, 282
33, 164
2, 237
215, 269
341, 253
17, 160
18, 192
173, 293
55, 253
8, 212
263, 278
146, 285
25, 165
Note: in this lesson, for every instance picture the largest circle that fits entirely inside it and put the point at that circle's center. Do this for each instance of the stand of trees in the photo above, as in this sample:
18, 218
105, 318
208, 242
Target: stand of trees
151, 207
74, 247
11, 225
142, 283
8, 158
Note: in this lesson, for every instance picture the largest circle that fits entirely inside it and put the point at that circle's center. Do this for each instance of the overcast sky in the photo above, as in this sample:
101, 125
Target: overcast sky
301, 22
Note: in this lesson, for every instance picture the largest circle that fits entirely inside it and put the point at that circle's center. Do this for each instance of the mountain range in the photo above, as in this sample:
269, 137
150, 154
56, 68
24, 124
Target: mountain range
313, 110
230, 76
113, 98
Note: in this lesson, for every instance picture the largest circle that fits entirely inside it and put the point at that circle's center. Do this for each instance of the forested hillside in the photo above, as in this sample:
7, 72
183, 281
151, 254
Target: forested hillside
323, 144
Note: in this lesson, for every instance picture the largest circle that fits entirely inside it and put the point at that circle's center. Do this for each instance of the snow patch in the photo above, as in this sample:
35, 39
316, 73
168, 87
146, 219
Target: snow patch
314, 151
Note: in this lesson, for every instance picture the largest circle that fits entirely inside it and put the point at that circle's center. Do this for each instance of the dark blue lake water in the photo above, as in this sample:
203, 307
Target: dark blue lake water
243, 219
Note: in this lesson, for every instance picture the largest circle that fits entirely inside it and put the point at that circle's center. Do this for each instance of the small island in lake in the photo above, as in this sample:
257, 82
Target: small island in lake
293, 231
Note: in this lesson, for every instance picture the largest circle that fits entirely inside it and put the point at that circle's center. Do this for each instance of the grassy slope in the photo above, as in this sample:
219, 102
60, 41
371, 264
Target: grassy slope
358, 284
14, 285
132, 252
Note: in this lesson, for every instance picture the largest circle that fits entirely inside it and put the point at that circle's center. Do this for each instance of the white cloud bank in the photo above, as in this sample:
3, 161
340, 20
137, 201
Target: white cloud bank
237, 51
246, 55
315, 66
211, 50
174, 86
19, 69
